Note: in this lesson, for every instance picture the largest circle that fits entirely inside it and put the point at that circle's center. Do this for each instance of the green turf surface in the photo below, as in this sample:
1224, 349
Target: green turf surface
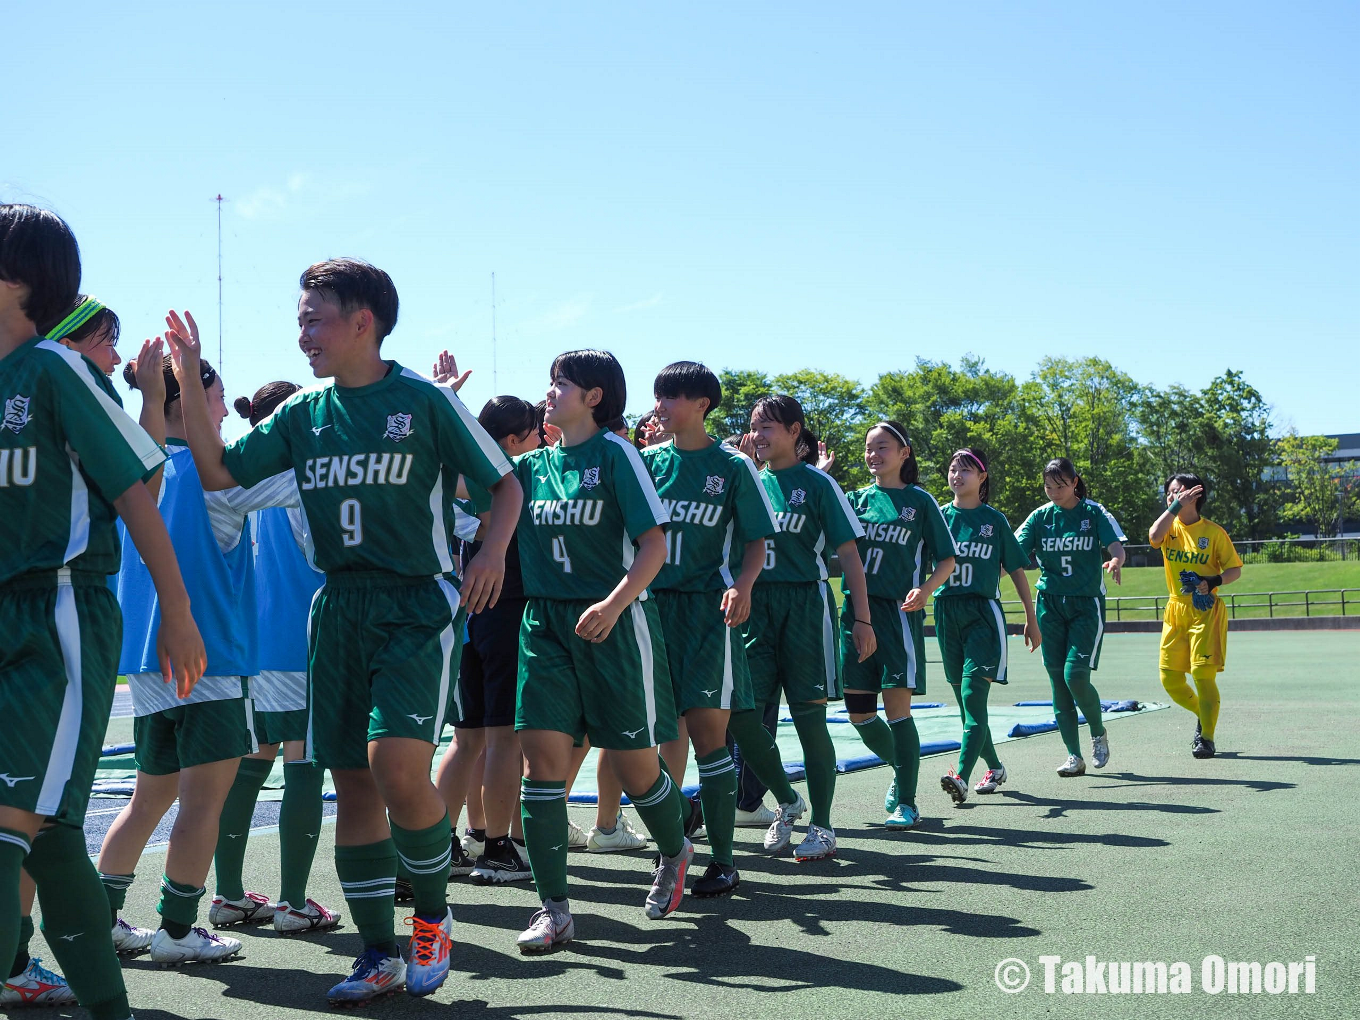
1159, 857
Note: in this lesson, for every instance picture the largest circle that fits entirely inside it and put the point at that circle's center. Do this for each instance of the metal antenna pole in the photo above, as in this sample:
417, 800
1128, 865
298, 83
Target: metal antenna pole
495, 385
219, 283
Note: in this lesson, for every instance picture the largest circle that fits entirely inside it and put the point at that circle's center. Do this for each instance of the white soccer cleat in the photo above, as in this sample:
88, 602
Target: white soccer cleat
781, 829
624, 837
1100, 750
576, 836
199, 946
548, 928
994, 778
1074, 766
761, 818
818, 843
250, 909
35, 985
668, 882
311, 916
128, 939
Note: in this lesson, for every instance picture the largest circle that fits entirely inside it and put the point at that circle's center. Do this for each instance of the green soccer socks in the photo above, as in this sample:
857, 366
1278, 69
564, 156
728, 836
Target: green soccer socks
718, 794
368, 878
234, 826
299, 828
759, 750
425, 854
543, 807
819, 758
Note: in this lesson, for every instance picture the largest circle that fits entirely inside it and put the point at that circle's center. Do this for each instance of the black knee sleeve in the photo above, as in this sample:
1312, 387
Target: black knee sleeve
861, 703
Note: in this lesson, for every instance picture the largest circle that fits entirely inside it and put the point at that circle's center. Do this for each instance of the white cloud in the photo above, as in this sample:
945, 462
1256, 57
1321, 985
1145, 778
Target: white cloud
563, 316
270, 199
638, 306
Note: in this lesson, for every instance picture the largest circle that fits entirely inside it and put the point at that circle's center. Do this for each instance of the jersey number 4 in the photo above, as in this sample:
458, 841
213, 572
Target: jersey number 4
559, 544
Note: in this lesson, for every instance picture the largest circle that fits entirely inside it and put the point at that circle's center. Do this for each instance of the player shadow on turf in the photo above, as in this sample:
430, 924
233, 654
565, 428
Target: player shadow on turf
1129, 779
1030, 839
1300, 759
1059, 808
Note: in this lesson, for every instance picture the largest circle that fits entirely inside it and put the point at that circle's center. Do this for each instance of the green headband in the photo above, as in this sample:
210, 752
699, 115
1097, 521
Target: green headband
82, 313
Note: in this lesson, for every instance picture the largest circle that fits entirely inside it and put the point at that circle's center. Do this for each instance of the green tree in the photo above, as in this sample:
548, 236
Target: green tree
945, 408
1084, 410
1241, 451
835, 410
1317, 495
741, 388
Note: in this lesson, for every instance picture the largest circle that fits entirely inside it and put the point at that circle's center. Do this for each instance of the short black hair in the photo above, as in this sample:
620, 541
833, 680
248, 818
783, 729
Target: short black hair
508, 416
38, 250
618, 423
354, 284
267, 397
589, 370
104, 320
691, 380
1188, 481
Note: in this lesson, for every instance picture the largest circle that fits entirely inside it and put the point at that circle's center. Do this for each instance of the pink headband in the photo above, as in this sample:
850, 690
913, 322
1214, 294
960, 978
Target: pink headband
971, 456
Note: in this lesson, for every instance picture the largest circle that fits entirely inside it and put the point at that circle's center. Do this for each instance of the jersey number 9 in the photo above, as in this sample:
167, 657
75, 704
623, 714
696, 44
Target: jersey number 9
351, 523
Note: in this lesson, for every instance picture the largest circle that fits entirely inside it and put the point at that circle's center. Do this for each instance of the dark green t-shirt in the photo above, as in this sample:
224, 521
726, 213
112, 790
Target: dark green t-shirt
986, 548
904, 536
1069, 545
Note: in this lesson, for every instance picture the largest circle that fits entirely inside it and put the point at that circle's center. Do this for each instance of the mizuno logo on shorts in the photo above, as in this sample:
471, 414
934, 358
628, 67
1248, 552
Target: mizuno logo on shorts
708, 694
11, 780
420, 719
316, 429
630, 734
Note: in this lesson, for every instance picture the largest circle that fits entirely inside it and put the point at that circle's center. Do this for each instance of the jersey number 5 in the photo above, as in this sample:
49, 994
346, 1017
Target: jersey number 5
351, 523
560, 553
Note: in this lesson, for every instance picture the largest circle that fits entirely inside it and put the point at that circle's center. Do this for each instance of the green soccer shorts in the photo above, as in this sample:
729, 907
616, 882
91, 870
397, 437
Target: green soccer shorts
900, 659
278, 727
617, 692
383, 653
58, 666
707, 657
971, 630
791, 643
194, 734
1072, 628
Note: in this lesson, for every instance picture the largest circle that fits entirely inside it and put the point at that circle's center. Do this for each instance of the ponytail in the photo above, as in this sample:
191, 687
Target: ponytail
1062, 469
267, 397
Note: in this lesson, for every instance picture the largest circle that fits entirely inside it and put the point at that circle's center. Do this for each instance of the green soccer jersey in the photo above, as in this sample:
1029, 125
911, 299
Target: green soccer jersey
1070, 546
377, 467
715, 503
585, 506
904, 536
67, 451
986, 549
813, 517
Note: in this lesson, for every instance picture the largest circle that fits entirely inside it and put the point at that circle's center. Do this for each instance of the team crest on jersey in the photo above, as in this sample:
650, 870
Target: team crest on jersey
398, 427
16, 413
590, 478
1086, 524
908, 514
714, 485
797, 497
985, 531
1203, 542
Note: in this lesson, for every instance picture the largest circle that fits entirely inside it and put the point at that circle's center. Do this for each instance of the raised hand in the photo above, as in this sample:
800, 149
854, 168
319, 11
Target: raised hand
148, 371
445, 372
825, 457
747, 445
185, 348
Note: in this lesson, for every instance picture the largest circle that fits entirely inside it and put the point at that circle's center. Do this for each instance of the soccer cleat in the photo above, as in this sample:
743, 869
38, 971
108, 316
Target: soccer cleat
818, 843
429, 953
461, 863
1074, 766
781, 829
1204, 749
405, 892
952, 783
501, 863
128, 939
694, 827
375, 974
760, 818
890, 799
904, 816
668, 882
35, 985
549, 927
1194, 741
994, 778
624, 837
1100, 750
312, 916
576, 837
250, 909
718, 880
473, 846
199, 946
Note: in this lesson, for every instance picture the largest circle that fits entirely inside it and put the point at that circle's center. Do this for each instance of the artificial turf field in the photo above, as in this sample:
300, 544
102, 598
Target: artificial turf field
1249, 856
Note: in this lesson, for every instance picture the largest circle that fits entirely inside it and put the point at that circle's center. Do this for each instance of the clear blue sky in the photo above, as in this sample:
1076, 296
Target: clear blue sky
1169, 186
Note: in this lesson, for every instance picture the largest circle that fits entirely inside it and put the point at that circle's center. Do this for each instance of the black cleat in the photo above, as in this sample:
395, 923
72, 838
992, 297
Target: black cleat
405, 893
1204, 749
501, 863
696, 816
460, 862
1194, 741
718, 880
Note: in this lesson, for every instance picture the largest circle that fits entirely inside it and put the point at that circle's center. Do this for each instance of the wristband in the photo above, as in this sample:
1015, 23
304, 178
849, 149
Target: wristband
1174, 507
1213, 580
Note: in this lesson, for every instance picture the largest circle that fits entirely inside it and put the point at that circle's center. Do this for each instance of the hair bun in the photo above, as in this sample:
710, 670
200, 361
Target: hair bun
243, 406
130, 375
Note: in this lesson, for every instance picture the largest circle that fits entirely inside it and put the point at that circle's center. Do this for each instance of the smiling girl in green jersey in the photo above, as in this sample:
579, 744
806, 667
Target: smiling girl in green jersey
904, 533
592, 660
969, 621
791, 636
1067, 536
716, 504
